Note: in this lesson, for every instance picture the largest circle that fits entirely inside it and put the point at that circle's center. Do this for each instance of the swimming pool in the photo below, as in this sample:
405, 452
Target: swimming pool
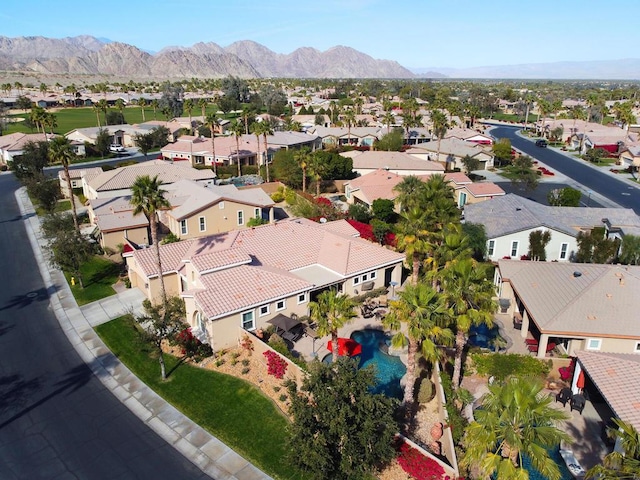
389, 368
482, 336
565, 474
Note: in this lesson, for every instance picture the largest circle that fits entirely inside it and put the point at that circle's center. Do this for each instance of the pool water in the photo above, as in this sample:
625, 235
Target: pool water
565, 474
482, 336
389, 368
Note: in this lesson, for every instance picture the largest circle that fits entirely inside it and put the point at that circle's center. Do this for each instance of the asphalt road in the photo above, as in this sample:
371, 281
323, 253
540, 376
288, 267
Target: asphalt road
57, 420
618, 191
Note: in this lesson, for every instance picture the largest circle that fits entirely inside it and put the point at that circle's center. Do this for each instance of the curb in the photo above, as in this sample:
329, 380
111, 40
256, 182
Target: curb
204, 450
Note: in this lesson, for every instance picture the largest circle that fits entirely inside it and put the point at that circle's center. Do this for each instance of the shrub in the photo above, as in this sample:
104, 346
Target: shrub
276, 366
277, 197
219, 362
191, 346
282, 397
425, 393
501, 366
276, 388
245, 362
417, 465
245, 370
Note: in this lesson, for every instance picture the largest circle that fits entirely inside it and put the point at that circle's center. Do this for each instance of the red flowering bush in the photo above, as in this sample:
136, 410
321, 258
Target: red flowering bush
417, 465
364, 229
191, 346
323, 201
276, 366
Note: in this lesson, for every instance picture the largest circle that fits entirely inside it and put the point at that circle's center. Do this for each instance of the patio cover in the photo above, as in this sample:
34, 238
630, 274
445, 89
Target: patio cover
283, 322
346, 346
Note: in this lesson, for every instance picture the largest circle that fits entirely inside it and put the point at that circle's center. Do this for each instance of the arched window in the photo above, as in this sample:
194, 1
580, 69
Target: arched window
199, 322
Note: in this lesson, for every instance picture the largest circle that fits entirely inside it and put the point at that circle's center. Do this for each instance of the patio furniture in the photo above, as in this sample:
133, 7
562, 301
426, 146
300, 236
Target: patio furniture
310, 332
531, 341
563, 396
533, 348
551, 346
573, 465
291, 336
517, 321
577, 403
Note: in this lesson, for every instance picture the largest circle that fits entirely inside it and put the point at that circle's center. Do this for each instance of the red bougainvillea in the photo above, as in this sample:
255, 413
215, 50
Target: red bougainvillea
276, 366
364, 229
417, 465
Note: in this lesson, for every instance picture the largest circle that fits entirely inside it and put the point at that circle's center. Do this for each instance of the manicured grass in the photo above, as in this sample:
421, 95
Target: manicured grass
98, 276
505, 117
231, 409
62, 206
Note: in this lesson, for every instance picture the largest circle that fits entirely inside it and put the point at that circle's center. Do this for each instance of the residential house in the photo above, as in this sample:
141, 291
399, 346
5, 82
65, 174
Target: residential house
237, 281
76, 175
509, 220
381, 184
118, 182
469, 135
578, 307
630, 156
451, 151
397, 162
196, 210
122, 134
356, 136
307, 122
13, 144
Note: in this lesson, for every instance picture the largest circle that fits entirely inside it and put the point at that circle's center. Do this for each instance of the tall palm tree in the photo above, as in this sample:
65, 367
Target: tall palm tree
50, 121
388, 118
120, 106
516, 419
97, 111
408, 191
452, 247
331, 312
211, 121
147, 197
142, 103
413, 239
349, 117
154, 106
424, 314
624, 464
188, 106
103, 106
469, 294
265, 129
237, 129
60, 150
202, 103
302, 158
317, 167
440, 126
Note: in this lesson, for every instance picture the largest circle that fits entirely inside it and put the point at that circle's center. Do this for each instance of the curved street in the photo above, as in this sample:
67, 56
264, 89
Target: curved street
57, 420
616, 190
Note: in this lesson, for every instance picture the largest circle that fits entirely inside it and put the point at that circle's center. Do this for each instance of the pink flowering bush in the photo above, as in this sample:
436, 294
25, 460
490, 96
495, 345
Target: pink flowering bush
276, 366
417, 465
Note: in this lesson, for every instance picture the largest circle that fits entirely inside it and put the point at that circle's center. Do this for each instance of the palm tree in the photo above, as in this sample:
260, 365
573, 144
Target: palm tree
331, 312
440, 126
516, 419
620, 464
147, 197
544, 107
413, 239
317, 167
265, 129
97, 110
469, 294
188, 106
349, 117
211, 122
237, 129
103, 106
408, 191
202, 103
424, 313
60, 150
453, 247
120, 106
388, 118
155, 105
142, 103
50, 121
302, 157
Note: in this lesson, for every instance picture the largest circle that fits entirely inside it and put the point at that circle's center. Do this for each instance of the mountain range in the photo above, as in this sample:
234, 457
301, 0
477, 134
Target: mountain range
87, 55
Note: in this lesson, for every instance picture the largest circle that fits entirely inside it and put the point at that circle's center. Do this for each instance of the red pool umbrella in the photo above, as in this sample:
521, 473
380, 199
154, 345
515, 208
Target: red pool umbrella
580, 382
346, 346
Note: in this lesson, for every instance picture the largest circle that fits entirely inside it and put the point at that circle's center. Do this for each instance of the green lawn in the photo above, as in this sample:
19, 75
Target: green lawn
98, 275
505, 117
62, 206
231, 409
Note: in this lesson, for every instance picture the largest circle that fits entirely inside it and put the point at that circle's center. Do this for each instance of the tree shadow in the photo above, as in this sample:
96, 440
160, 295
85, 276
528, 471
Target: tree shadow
16, 392
113, 270
4, 328
25, 300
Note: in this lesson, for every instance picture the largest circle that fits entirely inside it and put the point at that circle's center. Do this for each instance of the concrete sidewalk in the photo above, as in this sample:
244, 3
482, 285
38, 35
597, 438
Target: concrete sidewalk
200, 447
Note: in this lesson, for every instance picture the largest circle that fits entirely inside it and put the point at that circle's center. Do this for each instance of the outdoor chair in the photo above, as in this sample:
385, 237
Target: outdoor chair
550, 347
531, 341
577, 403
564, 396
532, 348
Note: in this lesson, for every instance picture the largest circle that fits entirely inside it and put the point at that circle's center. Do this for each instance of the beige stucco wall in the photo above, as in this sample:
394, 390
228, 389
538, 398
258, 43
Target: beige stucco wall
151, 287
217, 219
136, 235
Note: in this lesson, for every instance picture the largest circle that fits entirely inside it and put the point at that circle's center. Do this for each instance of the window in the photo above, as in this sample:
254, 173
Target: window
183, 227
491, 248
373, 275
563, 251
462, 199
302, 298
594, 344
221, 205
514, 249
257, 213
356, 280
637, 349
365, 277
248, 322
203, 224
199, 322
281, 305
240, 217
264, 310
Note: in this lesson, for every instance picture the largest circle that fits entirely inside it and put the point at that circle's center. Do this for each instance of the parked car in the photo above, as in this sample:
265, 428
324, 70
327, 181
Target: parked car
116, 148
541, 143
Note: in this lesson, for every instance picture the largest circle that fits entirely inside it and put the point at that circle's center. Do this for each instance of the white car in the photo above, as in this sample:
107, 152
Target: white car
116, 148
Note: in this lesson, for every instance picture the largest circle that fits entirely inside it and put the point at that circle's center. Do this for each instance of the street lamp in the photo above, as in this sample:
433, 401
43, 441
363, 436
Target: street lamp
589, 198
393, 290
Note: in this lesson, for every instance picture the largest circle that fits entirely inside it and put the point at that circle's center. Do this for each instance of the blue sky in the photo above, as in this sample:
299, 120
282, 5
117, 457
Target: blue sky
416, 33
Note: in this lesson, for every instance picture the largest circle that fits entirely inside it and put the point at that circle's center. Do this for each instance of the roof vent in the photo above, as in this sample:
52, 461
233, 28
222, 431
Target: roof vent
518, 209
609, 296
577, 274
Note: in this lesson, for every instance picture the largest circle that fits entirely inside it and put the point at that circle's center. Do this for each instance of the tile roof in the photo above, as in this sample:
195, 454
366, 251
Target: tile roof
77, 173
167, 172
601, 301
188, 197
484, 189
453, 146
17, 141
378, 184
393, 161
511, 213
616, 376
